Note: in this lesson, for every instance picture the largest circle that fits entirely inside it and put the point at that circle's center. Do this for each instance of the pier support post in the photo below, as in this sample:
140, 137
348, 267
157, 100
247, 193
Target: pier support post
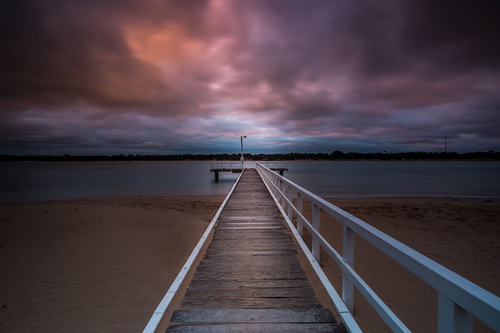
216, 176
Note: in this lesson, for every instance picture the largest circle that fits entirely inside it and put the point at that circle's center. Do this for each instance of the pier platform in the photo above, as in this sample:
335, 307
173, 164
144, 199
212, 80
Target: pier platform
237, 168
251, 278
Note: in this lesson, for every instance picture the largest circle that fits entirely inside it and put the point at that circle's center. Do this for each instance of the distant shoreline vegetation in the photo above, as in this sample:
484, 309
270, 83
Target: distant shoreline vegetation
334, 156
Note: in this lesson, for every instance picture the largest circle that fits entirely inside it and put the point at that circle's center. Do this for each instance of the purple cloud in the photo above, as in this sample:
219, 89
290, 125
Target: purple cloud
171, 77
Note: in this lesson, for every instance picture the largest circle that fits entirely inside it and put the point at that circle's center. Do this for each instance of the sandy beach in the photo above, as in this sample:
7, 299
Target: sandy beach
103, 265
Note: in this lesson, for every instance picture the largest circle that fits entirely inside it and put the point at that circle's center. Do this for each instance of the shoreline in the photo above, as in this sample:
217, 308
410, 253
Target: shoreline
177, 196
90, 265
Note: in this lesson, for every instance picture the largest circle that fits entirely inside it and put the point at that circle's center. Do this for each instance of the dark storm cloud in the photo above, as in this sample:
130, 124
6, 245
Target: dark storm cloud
321, 74
61, 53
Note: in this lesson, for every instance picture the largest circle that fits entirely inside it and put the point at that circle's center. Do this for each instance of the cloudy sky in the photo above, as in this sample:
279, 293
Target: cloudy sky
192, 76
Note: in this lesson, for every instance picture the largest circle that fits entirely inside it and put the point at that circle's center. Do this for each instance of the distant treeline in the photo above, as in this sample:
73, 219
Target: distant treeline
336, 155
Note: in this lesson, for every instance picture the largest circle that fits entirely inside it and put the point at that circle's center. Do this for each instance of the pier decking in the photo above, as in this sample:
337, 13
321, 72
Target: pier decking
251, 278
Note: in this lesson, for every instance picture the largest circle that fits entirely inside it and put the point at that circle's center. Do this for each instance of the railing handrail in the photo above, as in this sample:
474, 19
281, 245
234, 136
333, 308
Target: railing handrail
281, 164
229, 164
459, 298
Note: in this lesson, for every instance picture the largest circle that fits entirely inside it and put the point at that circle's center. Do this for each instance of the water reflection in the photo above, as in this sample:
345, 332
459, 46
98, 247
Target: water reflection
41, 181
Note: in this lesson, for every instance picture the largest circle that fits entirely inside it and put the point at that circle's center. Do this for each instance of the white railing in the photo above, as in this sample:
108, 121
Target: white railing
275, 165
226, 166
459, 299
165, 302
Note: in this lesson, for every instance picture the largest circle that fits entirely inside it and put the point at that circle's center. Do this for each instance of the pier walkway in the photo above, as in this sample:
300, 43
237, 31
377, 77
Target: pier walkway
251, 278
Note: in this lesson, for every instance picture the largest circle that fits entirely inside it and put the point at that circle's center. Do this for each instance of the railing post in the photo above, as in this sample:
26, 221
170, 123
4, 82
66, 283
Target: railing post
282, 190
452, 318
315, 225
290, 198
277, 183
348, 256
300, 225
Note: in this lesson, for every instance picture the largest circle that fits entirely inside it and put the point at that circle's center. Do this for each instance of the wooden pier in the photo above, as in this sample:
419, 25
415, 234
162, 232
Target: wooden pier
251, 278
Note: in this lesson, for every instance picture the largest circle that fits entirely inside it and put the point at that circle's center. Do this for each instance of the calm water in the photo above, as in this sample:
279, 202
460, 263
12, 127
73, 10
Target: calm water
42, 181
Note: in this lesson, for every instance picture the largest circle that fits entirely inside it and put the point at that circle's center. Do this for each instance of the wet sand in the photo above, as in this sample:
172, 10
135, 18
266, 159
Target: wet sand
104, 265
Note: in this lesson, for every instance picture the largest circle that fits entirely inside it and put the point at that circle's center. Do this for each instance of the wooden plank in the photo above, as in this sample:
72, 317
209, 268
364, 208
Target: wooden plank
314, 315
277, 217
277, 244
257, 328
234, 284
252, 261
269, 213
244, 267
281, 260
262, 211
254, 243
254, 223
250, 303
251, 207
253, 199
248, 253
252, 234
234, 246
250, 227
254, 237
250, 292
246, 247
249, 276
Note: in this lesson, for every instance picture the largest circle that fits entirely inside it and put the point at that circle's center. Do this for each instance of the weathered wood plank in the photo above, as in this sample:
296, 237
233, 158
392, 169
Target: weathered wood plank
250, 212
269, 222
250, 227
250, 292
250, 303
313, 315
254, 224
258, 328
275, 244
248, 244
248, 234
247, 276
250, 206
248, 253
244, 267
283, 260
277, 217
246, 247
252, 234
235, 284
255, 243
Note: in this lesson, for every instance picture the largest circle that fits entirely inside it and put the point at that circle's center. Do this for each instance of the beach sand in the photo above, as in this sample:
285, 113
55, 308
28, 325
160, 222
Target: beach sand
104, 265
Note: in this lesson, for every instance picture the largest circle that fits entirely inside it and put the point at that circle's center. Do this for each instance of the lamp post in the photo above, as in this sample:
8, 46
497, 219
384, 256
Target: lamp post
242, 159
